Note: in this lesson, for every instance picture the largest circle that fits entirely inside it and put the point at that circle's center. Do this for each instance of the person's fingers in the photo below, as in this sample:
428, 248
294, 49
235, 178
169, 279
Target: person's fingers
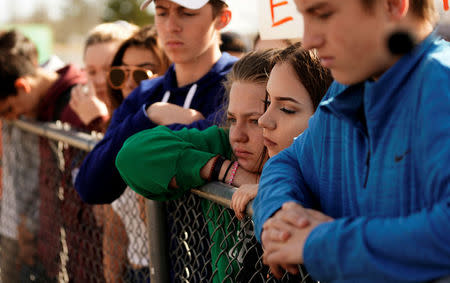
88, 89
75, 99
242, 204
239, 215
77, 94
276, 270
235, 205
274, 224
275, 257
291, 268
294, 214
277, 235
234, 199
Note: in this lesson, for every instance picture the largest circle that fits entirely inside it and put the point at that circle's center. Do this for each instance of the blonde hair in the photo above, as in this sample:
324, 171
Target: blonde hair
110, 32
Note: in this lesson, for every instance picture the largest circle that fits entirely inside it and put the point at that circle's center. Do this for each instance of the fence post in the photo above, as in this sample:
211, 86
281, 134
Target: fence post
158, 245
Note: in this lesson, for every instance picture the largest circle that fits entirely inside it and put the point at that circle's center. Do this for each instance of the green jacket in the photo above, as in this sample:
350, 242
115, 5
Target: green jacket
147, 162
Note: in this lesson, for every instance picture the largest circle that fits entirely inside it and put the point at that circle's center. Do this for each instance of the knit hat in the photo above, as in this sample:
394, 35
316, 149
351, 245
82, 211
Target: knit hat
190, 4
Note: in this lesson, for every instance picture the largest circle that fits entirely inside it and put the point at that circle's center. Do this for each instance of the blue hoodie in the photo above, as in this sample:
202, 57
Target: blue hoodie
98, 180
376, 158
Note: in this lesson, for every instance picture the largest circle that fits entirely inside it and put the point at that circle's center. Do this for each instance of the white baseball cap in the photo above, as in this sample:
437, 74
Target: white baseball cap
190, 4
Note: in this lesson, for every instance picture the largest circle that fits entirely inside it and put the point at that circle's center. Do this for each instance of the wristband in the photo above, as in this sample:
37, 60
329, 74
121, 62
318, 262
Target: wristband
226, 172
215, 170
233, 172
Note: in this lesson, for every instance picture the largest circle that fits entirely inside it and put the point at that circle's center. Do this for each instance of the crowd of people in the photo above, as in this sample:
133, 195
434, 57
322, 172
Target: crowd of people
341, 140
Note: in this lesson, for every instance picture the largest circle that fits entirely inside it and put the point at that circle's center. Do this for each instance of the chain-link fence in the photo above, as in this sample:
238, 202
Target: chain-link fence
48, 234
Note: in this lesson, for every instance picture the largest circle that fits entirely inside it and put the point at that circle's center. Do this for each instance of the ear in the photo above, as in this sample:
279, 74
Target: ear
223, 19
22, 83
397, 9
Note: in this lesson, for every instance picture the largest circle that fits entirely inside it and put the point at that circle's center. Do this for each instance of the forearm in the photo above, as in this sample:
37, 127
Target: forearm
162, 164
98, 180
281, 181
413, 248
227, 173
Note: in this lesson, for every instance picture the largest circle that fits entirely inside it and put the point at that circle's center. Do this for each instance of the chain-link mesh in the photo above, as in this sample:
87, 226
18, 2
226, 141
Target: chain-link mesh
208, 244
48, 234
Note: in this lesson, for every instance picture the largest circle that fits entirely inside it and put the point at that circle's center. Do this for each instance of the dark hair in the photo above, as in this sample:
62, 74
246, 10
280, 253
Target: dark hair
18, 58
147, 38
310, 72
232, 42
217, 7
424, 9
286, 41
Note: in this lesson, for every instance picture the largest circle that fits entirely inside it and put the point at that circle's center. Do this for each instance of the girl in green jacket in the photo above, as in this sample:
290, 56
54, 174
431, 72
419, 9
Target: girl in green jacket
162, 165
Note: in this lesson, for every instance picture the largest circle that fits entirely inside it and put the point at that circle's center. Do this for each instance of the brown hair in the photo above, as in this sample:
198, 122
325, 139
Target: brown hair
314, 77
424, 9
254, 67
217, 7
18, 58
147, 38
285, 41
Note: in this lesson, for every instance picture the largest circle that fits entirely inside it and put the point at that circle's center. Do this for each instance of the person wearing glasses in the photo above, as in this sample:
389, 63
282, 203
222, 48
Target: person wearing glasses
138, 58
92, 101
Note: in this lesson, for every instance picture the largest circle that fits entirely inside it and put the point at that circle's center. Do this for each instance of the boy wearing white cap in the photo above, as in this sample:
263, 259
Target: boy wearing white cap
189, 91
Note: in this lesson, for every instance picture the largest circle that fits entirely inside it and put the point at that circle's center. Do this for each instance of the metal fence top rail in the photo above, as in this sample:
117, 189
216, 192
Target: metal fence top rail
58, 131
220, 193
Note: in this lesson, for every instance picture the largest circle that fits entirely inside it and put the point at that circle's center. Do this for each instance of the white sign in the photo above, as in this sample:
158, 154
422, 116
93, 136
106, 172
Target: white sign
279, 19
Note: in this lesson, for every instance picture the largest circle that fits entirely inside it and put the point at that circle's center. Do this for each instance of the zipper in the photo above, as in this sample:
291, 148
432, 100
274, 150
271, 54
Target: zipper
367, 168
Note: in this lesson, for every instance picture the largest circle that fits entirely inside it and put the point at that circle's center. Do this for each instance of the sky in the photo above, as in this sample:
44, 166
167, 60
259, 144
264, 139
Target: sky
245, 13
245, 17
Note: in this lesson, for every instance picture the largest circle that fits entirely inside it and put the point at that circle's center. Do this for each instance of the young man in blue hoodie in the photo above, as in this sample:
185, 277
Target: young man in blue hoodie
363, 195
189, 91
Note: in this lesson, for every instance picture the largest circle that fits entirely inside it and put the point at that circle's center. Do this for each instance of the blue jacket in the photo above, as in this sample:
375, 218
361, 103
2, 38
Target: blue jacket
98, 180
376, 157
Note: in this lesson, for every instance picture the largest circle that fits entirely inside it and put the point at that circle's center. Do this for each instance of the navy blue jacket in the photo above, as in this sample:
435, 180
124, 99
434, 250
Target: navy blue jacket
98, 180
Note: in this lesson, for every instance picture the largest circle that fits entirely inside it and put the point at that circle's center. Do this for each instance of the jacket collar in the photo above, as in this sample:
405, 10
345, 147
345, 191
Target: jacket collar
374, 96
215, 73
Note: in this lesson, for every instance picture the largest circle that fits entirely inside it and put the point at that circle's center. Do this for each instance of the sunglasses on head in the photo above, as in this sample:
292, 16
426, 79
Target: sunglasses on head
117, 76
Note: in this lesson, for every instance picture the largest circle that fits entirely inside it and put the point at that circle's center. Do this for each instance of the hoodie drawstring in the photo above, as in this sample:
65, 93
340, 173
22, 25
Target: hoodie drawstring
189, 96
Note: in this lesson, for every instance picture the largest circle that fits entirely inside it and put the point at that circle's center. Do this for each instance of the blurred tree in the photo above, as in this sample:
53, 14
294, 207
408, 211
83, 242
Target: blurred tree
127, 10
78, 17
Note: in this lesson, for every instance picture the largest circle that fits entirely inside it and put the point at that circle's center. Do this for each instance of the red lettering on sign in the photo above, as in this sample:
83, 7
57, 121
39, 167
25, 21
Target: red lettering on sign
272, 9
446, 7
